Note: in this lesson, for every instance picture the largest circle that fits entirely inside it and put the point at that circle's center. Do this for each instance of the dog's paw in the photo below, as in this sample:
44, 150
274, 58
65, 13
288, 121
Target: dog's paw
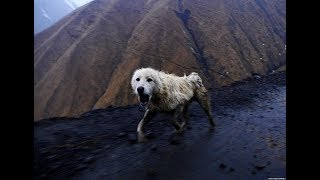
179, 131
183, 124
142, 138
212, 128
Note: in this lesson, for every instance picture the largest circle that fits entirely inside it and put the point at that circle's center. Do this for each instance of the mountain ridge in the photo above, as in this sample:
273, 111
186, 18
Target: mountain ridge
85, 61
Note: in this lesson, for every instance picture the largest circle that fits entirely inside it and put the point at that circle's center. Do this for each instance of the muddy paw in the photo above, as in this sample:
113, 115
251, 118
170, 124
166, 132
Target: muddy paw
211, 128
142, 138
184, 125
181, 130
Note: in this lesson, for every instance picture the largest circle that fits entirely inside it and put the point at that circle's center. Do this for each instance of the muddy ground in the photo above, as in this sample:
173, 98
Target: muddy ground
249, 141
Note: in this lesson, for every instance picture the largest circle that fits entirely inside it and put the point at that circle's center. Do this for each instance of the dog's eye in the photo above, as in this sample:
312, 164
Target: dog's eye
149, 80
138, 79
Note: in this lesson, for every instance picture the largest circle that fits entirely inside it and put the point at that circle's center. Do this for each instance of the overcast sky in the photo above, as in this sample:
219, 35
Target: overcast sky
81, 2
48, 12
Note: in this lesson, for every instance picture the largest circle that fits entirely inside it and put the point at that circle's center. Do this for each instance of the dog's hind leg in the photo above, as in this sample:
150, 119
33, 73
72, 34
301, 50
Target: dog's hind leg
149, 114
204, 101
176, 114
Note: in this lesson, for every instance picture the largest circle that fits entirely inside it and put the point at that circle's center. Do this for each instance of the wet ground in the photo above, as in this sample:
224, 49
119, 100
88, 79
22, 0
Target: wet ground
249, 141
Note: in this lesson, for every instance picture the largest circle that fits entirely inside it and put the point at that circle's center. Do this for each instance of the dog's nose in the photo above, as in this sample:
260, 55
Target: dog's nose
140, 89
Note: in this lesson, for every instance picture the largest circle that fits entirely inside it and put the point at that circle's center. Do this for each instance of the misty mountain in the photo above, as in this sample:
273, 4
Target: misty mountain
48, 12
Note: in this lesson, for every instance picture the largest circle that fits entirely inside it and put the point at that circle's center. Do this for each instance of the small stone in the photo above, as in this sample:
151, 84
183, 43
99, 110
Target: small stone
51, 157
151, 172
153, 147
53, 168
122, 134
222, 166
88, 159
256, 76
97, 151
174, 141
253, 172
81, 167
260, 165
150, 135
273, 145
43, 150
132, 138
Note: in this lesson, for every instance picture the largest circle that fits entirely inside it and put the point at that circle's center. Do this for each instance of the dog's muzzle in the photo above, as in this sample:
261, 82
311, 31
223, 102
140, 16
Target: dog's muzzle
143, 98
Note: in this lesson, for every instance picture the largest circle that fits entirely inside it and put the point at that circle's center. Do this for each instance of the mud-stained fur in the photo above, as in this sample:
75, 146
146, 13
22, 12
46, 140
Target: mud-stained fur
162, 92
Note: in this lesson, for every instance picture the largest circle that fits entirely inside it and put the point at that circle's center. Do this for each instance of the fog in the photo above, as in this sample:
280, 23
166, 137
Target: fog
48, 12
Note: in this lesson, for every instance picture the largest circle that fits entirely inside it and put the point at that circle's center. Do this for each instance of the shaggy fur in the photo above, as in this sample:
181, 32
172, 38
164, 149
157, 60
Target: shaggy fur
162, 92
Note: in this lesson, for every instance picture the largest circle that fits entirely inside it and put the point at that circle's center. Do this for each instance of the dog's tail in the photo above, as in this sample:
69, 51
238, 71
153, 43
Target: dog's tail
195, 79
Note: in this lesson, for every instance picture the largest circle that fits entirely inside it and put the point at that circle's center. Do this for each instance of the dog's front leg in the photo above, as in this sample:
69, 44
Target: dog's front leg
146, 118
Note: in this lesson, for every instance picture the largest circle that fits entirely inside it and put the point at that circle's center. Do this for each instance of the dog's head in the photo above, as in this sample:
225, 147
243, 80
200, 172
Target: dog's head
144, 83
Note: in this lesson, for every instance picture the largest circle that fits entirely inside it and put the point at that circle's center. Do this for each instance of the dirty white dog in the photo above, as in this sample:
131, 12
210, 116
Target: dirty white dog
162, 92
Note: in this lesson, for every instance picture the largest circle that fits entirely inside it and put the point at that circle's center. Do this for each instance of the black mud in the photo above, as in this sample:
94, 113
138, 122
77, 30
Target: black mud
249, 141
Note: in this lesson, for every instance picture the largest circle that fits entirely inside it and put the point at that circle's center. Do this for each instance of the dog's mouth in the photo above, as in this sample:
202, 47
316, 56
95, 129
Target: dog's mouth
143, 99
